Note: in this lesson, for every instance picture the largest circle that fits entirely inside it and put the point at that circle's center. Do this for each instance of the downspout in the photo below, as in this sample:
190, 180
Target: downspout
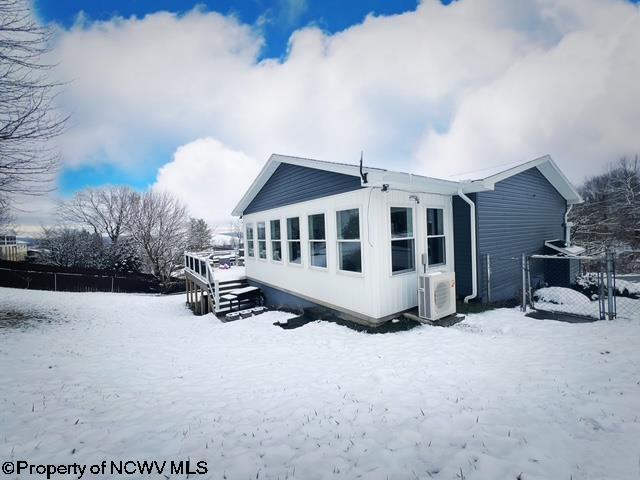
474, 266
567, 226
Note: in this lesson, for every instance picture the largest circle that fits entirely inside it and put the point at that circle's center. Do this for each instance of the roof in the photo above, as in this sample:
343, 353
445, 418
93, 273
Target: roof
486, 179
470, 182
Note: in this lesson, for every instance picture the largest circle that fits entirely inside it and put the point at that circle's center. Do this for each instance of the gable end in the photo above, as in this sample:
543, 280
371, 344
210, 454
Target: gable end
291, 184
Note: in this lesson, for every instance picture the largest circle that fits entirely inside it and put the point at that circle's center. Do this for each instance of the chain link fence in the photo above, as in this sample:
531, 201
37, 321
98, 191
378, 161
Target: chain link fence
587, 287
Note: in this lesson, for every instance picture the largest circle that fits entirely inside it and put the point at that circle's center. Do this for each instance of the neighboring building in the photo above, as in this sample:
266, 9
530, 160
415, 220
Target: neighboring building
12, 249
354, 239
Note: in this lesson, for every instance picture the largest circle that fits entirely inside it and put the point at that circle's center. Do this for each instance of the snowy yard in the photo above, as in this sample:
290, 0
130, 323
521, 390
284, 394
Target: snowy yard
116, 376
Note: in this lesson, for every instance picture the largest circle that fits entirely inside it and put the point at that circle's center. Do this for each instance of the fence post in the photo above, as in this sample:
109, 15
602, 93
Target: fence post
524, 283
55, 282
488, 278
112, 284
611, 314
529, 296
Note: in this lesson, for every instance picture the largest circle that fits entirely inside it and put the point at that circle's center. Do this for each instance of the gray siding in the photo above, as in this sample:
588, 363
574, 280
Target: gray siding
291, 184
278, 299
462, 245
517, 217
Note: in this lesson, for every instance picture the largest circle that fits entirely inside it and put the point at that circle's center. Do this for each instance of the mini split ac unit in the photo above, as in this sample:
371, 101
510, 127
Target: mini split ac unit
436, 295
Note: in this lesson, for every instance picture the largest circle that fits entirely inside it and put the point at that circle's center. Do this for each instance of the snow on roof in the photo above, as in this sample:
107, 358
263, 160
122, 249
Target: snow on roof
482, 173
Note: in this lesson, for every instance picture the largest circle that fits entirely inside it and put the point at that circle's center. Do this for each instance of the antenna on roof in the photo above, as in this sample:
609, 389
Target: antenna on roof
362, 174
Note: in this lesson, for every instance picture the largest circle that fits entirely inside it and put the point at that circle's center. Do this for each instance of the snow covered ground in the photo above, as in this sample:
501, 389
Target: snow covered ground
567, 300
116, 376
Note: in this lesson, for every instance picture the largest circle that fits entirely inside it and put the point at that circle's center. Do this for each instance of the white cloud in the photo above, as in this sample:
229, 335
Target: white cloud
437, 90
208, 177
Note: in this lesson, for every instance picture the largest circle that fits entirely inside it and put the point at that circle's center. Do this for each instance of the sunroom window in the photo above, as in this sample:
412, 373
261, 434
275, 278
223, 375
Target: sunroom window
250, 246
402, 240
276, 243
349, 245
317, 241
436, 238
293, 239
262, 241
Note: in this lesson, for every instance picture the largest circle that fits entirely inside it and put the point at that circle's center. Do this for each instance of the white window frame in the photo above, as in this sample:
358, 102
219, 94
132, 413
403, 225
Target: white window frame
339, 241
427, 236
290, 241
266, 250
250, 226
310, 241
412, 237
278, 240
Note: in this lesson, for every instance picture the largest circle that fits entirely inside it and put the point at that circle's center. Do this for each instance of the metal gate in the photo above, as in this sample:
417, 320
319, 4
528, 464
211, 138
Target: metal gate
573, 286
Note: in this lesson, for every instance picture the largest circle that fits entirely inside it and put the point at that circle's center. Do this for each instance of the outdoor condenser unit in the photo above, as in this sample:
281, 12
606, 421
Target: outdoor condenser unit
436, 295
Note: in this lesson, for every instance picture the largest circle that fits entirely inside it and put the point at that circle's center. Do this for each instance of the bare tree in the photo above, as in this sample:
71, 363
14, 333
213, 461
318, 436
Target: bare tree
105, 210
158, 225
28, 116
610, 214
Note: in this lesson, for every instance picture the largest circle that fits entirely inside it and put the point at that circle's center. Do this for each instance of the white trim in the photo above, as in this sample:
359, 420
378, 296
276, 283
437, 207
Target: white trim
378, 177
445, 264
266, 244
274, 162
288, 241
359, 240
326, 243
413, 237
253, 240
271, 240
545, 165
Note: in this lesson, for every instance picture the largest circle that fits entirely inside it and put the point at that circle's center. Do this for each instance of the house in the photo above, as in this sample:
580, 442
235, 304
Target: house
12, 249
354, 239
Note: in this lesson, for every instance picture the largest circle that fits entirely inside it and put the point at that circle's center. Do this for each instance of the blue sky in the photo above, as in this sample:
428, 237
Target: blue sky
284, 16
278, 19
192, 97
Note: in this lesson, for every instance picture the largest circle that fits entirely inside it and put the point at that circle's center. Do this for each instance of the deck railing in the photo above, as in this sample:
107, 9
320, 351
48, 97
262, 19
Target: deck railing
199, 265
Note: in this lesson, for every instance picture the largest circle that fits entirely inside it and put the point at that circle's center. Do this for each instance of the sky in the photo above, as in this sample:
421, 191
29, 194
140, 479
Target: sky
193, 97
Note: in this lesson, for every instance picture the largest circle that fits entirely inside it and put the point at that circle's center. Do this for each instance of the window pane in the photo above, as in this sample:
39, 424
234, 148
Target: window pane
402, 255
319, 254
316, 227
435, 247
348, 224
401, 222
261, 231
249, 233
295, 255
275, 229
250, 248
276, 251
262, 249
435, 224
350, 257
293, 228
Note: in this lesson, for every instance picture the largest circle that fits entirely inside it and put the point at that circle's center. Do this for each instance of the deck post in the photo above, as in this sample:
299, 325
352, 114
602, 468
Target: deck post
196, 300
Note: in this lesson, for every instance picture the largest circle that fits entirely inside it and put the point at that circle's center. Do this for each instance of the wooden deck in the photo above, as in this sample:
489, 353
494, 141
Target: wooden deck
207, 284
